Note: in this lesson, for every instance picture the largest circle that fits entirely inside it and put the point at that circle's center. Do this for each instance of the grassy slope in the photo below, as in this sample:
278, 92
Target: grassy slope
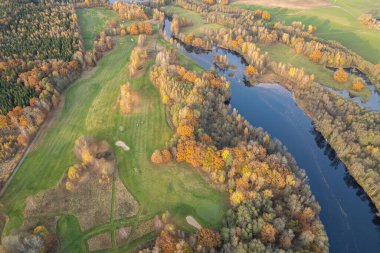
92, 21
90, 109
196, 18
338, 23
282, 53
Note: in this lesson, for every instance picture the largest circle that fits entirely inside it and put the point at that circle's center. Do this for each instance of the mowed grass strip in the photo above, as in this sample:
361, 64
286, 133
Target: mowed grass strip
92, 21
338, 22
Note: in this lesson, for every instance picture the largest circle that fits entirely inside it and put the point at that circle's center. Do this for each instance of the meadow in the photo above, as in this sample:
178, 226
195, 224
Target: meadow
337, 22
90, 109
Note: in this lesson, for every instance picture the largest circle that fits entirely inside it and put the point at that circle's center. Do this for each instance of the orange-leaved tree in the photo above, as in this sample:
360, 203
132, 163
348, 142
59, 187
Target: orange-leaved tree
250, 71
340, 75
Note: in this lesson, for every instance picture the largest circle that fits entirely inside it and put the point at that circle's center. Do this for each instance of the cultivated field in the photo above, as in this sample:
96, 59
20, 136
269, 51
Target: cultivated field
90, 109
337, 22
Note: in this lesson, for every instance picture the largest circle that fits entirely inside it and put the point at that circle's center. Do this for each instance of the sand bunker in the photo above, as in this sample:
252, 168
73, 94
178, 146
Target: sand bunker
193, 222
122, 145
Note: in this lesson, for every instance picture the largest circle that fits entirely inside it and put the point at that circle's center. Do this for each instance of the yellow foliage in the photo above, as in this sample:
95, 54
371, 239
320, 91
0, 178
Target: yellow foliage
86, 156
265, 15
72, 173
185, 130
268, 193
246, 171
250, 71
292, 71
40, 230
236, 198
290, 180
358, 85
225, 154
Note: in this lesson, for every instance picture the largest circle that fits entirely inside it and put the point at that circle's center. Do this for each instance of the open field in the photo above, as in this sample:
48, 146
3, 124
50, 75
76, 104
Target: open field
337, 22
291, 4
196, 18
284, 54
92, 21
90, 109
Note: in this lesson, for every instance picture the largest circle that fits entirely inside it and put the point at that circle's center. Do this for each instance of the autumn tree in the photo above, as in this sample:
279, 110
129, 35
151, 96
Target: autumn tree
358, 84
268, 233
166, 242
250, 71
156, 157
208, 238
315, 56
166, 156
185, 130
340, 75
265, 15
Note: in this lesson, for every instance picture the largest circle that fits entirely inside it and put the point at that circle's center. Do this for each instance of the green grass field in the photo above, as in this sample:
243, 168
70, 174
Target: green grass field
284, 54
92, 21
90, 109
338, 22
196, 18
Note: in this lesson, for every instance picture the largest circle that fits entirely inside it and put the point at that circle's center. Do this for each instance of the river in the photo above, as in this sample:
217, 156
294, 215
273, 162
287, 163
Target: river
347, 213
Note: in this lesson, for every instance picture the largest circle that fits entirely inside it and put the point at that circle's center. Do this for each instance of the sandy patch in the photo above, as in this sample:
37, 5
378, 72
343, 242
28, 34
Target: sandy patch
290, 4
122, 235
193, 222
122, 145
101, 241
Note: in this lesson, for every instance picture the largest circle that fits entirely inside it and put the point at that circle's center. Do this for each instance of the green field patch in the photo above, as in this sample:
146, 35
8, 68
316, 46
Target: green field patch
69, 235
92, 21
209, 211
